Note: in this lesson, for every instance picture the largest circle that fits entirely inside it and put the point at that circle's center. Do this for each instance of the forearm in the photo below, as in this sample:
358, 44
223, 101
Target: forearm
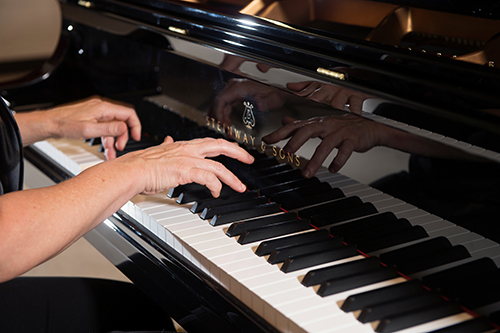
37, 224
34, 126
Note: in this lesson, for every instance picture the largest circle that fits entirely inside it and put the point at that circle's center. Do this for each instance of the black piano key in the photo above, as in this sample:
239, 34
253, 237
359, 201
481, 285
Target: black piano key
203, 194
186, 197
267, 247
369, 298
298, 193
269, 190
461, 288
484, 295
176, 191
373, 221
495, 317
476, 325
335, 286
452, 254
318, 276
200, 205
274, 169
364, 236
399, 306
331, 195
260, 210
295, 263
238, 228
364, 209
273, 230
417, 317
404, 236
284, 176
414, 251
330, 207
459, 273
94, 141
280, 254
211, 211
264, 162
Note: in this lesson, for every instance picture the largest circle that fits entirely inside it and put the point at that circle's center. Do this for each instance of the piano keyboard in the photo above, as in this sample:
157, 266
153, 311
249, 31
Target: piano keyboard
280, 298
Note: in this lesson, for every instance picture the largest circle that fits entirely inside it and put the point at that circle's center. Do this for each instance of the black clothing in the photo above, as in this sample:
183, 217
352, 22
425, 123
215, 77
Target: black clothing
39, 304
11, 152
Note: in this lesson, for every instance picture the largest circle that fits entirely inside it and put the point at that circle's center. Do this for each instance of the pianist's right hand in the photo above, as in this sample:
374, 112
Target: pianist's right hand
175, 163
36, 224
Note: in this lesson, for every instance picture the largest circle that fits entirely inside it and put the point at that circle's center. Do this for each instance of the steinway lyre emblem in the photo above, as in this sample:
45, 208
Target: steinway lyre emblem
248, 116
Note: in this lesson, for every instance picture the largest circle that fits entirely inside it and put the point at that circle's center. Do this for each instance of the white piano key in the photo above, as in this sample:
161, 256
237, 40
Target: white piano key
424, 219
465, 237
438, 324
397, 209
487, 309
412, 214
480, 245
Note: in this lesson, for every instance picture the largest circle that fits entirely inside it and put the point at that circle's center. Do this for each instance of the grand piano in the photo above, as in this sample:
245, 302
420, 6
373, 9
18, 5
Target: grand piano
403, 239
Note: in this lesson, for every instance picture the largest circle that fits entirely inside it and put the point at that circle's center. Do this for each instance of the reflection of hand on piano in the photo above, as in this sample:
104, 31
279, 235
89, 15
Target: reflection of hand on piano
350, 133
347, 133
85, 119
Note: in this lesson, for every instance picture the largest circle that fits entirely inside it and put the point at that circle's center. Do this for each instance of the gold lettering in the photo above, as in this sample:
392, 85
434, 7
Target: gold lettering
297, 160
290, 158
245, 139
253, 140
237, 134
219, 129
208, 121
275, 152
282, 152
263, 146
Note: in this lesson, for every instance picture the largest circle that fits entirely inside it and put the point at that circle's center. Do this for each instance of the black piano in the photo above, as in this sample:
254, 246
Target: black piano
405, 238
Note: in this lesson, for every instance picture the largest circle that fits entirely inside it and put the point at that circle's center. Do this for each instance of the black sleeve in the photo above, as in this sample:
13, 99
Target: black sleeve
11, 153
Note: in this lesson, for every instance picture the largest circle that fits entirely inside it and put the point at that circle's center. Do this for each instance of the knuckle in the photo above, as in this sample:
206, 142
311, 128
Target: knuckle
221, 142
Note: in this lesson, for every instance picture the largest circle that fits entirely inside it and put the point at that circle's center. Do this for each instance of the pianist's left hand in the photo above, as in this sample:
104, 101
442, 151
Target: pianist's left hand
86, 119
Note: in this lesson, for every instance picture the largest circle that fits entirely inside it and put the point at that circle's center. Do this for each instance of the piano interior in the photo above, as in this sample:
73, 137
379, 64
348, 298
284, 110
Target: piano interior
404, 238
439, 33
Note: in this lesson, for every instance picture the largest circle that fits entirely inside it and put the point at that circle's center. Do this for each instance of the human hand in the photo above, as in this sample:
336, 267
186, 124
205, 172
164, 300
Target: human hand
96, 117
175, 163
346, 132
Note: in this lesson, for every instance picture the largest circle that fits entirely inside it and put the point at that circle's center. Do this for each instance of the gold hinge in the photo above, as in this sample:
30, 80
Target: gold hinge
334, 74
